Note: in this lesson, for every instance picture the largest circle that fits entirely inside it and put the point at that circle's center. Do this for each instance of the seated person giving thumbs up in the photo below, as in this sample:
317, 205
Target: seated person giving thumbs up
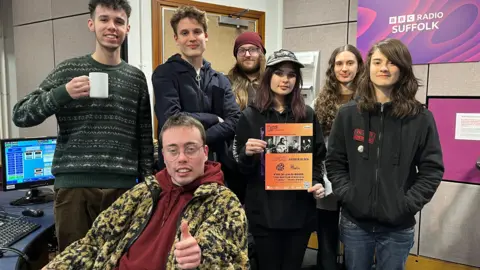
183, 218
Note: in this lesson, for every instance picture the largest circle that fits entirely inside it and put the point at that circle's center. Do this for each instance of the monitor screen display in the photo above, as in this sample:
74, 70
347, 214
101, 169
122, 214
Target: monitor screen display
27, 162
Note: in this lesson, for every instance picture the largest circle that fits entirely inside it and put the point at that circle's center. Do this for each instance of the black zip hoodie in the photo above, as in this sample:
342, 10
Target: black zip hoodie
205, 97
374, 174
275, 209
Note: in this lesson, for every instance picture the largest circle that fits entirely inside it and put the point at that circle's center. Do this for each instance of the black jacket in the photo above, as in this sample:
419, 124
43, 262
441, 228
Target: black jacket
177, 90
375, 176
275, 209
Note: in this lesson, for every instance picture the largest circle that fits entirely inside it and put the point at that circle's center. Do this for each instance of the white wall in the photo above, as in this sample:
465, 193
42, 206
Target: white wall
8, 68
140, 38
3, 80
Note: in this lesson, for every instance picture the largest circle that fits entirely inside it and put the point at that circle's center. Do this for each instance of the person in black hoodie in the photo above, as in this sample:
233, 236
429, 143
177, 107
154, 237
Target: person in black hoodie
384, 161
280, 221
187, 83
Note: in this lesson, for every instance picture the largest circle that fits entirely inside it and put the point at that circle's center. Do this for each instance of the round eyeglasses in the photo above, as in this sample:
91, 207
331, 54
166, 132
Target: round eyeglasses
190, 151
252, 51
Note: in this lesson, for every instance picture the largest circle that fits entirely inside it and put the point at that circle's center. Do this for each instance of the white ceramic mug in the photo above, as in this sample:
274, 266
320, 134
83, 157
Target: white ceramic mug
98, 84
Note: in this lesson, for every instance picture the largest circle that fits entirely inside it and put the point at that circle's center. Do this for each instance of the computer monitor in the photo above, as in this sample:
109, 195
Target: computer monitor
27, 164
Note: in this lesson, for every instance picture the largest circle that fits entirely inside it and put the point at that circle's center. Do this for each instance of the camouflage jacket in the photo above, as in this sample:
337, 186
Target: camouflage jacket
215, 216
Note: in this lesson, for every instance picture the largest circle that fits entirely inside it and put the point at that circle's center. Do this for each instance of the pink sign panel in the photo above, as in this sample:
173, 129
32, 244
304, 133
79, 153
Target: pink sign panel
460, 150
435, 31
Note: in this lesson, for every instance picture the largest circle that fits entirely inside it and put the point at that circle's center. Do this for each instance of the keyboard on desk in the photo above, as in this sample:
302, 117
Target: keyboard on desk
13, 228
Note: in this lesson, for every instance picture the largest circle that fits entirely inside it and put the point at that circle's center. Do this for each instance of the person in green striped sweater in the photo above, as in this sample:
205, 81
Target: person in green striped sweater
104, 144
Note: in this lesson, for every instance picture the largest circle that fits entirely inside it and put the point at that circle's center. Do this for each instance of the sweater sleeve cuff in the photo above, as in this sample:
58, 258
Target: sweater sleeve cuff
61, 96
247, 160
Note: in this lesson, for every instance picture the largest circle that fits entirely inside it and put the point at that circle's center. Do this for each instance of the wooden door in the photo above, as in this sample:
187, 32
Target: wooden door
221, 37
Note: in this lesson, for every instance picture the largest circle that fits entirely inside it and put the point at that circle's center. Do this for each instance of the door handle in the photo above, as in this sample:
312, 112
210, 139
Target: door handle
478, 163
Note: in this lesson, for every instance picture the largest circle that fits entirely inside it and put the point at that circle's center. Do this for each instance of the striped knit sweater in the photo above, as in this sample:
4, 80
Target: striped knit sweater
102, 143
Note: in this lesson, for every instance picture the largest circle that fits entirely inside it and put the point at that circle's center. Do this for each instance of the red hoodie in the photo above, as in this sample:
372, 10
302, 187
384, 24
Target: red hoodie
151, 249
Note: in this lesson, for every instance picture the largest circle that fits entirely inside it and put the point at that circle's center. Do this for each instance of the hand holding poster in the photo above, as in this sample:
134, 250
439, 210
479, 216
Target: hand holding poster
288, 156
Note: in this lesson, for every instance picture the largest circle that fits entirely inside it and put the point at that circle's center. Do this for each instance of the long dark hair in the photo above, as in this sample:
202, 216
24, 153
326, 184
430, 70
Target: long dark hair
241, 83
328, 98
265, 96
404, 91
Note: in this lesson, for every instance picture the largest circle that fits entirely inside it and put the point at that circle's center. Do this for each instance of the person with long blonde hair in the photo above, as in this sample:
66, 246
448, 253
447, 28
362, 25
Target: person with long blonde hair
247, 72
341, 79
244, 77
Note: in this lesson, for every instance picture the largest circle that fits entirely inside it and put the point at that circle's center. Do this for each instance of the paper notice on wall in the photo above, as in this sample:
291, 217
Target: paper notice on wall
467, 126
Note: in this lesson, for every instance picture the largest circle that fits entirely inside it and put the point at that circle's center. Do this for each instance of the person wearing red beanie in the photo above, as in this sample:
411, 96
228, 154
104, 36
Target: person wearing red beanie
245, 76
248, 38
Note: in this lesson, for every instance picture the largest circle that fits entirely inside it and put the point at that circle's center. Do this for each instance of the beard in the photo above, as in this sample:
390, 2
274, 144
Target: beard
249, 70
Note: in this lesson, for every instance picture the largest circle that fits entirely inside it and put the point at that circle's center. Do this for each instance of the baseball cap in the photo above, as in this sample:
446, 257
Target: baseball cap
281, 56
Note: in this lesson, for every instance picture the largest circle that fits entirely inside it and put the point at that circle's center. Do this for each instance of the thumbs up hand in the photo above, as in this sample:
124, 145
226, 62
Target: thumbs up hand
187, 251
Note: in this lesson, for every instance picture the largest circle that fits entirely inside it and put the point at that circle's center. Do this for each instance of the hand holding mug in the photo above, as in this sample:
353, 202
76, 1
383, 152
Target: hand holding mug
78, 87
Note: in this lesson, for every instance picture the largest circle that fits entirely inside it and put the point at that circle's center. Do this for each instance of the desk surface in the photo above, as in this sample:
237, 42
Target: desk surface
9, 260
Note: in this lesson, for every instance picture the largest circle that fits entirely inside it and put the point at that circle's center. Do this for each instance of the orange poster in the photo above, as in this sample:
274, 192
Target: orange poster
288, 158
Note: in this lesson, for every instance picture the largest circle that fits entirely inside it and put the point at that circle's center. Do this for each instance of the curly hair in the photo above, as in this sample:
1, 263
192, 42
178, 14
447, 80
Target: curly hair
403, 92
241, 83
114, 4
328, 100
191, 13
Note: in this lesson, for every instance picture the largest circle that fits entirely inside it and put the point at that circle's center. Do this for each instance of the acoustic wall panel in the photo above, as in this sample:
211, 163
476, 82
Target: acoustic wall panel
454, 79
63, 8
421, 72
449, 224
34, 61
29, 11
298, 13
72, 38
320, 38
352, 33
353, 10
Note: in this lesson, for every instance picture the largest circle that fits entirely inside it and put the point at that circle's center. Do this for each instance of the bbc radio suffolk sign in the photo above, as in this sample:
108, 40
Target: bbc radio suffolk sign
435, 31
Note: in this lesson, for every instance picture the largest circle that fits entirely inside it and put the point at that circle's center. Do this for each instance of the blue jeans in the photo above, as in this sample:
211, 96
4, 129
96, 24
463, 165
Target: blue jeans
391, 249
